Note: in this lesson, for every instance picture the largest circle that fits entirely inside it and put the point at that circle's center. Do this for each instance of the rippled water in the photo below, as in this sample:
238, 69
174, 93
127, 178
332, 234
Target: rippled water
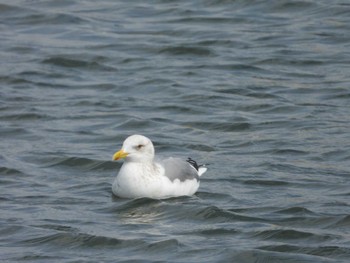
259, 90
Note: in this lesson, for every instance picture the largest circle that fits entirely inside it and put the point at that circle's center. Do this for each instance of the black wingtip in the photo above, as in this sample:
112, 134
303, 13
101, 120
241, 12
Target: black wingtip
193, 163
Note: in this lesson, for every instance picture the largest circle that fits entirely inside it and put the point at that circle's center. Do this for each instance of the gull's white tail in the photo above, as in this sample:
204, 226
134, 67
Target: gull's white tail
202, 170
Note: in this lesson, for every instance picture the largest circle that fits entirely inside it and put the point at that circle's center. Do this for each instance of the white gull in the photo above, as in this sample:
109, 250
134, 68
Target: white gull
142, 176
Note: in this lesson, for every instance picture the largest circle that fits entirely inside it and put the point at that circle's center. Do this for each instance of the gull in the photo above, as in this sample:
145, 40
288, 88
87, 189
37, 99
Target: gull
142, 176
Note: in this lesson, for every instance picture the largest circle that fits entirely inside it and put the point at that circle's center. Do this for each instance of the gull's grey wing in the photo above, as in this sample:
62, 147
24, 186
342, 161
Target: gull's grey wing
176, 168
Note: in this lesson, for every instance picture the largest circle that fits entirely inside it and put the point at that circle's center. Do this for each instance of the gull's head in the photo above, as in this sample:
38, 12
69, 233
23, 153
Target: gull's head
136, 148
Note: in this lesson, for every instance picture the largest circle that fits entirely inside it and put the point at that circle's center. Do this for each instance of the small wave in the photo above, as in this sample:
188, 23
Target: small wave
36, 18
291, 234
264, 255
293, 6
90, 64
216, 232
266, 182
217, 126
216, 214
138, 211
81, 163
343, 222
9, 171
11, 10
320, 251
71, 240
25, 116
185, 50
136, 203
297, 210
160, 246
134, 123
289, 152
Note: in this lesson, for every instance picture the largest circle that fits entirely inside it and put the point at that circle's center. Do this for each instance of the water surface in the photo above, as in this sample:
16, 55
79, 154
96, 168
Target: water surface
258, 90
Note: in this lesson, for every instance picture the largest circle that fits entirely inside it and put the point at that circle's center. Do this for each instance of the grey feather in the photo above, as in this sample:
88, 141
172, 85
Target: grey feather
176, 168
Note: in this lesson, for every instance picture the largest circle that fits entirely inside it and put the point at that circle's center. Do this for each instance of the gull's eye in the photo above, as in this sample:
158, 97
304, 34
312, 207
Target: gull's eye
139, 147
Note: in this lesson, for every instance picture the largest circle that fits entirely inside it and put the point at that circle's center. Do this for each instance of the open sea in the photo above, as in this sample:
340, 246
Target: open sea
257, 90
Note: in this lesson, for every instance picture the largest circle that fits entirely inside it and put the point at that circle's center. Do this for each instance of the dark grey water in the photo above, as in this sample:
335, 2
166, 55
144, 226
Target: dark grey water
259, 90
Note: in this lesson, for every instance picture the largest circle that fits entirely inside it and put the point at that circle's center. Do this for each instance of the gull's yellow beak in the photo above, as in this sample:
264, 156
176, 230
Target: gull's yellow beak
118, 155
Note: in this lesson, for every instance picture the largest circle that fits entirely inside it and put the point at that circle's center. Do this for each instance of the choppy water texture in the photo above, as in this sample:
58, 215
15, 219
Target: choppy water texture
259, 90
